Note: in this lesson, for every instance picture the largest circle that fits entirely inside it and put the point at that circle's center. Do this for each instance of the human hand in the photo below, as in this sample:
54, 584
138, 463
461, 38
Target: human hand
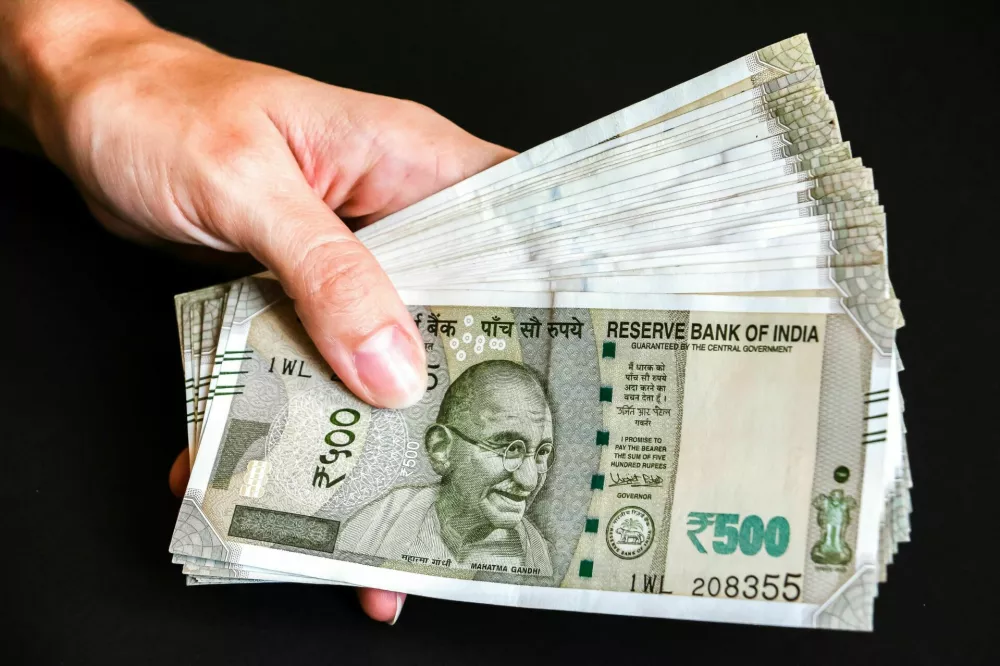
169, 140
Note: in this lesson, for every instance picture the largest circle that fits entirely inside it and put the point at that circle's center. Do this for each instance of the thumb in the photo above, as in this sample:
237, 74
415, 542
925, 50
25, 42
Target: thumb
345, 301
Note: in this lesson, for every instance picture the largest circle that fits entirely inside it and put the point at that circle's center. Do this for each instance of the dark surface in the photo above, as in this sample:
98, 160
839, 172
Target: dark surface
92, 405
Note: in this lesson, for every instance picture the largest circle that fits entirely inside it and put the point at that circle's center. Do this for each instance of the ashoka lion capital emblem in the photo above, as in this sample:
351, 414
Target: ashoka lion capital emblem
833, 516
630, 532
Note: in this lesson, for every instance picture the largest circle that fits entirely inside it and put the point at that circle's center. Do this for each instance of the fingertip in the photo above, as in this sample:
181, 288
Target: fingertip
381, 605
180, 471
391, 366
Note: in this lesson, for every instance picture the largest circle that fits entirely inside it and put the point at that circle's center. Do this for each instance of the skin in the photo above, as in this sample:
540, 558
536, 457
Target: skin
171, 142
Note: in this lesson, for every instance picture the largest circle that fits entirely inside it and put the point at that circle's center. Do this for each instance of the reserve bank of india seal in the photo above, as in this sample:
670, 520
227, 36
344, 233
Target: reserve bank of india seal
630, 532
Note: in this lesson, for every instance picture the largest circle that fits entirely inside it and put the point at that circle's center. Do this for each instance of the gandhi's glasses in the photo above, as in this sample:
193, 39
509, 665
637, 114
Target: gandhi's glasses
513, 454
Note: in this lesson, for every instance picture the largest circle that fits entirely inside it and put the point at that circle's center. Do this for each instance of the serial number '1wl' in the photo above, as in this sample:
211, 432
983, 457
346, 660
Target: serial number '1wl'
748, 536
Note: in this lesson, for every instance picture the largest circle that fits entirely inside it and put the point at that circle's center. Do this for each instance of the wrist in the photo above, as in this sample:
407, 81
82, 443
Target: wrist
49, 49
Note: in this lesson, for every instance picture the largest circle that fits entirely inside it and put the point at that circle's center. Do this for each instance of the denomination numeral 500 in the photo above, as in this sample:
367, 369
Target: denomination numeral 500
341, 437
749, 536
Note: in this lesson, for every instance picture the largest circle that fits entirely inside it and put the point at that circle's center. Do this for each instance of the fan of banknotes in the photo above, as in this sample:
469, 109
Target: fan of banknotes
662, 381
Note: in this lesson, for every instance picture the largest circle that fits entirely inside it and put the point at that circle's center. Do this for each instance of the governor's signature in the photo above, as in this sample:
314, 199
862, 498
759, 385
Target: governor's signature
636, 480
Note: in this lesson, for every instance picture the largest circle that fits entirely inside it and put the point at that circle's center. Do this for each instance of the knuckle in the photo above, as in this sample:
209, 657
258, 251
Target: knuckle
395, 111
338, 274
416, 108
421, 114
226, 150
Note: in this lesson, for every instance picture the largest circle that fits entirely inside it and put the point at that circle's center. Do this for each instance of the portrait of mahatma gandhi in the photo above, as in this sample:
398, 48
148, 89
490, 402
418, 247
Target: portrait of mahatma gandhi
492, 446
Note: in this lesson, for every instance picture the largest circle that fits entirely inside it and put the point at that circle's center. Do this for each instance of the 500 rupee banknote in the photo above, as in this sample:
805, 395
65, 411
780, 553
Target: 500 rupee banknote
699, 457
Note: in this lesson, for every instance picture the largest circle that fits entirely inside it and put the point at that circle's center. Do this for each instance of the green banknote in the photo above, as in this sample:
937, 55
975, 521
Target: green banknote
702, 457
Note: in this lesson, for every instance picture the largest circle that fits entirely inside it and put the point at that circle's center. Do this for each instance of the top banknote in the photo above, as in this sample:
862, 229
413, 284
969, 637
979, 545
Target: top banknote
719, 456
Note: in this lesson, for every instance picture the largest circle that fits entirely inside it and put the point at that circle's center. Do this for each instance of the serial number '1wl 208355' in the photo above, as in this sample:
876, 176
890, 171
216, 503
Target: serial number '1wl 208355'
748, 536
750, 587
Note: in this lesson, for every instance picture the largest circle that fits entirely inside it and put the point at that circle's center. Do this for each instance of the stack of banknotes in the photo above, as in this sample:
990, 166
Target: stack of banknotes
662, 381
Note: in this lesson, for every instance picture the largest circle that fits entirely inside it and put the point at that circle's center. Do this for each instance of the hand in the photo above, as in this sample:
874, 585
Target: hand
169, 140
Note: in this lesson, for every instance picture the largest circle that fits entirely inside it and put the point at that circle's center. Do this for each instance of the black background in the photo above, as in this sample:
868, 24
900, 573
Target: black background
92, 406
